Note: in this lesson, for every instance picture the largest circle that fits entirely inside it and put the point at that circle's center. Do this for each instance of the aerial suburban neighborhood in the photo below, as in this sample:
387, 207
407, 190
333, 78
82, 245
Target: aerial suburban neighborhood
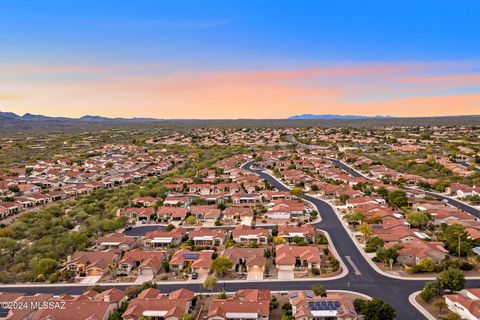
239, 160
173, 229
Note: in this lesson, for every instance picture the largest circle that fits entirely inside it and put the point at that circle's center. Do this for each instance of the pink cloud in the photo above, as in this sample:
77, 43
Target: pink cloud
130, 91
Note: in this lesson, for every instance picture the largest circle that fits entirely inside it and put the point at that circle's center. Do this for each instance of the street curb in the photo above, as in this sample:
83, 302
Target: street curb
422, 310
374, 266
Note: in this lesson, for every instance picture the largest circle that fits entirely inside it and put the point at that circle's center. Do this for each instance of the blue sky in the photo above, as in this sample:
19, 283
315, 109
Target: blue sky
177, 37
315, 31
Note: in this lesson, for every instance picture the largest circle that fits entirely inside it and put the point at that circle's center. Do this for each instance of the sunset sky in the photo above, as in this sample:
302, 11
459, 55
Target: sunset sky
239, 59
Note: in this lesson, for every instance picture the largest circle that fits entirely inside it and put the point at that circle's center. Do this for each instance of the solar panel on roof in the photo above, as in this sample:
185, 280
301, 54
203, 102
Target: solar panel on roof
190, 256
293, 295
3, 312
340, 310
309, 294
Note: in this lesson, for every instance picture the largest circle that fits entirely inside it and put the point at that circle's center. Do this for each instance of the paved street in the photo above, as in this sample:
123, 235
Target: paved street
361, 276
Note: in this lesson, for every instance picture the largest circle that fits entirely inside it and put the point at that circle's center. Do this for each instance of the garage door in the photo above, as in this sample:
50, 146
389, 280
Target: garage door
255, 275
94, 272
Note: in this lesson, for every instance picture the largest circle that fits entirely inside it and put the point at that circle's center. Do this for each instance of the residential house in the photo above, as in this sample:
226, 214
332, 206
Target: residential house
207, 237
27, 189
161, 239
177, 201
247, 260
198, 261
205, 213
289, 257
150, 303
306, 232
465, 303
396, 235
413, 252
145, 262
94, 263
242, 214
21, 299
246, 235
307, 306
84, 309
117, 241
259, 295
449, 216
221, 309
145, 201
140, 214
201, 188
246, 198
277, 195
172, 213
354, 202
285, 209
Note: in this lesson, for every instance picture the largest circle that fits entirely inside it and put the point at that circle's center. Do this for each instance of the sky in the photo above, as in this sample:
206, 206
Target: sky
239, 59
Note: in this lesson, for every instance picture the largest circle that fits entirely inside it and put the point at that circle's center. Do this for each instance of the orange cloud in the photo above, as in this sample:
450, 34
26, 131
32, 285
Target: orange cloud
448, 80
128, 91
420, 106
11, 96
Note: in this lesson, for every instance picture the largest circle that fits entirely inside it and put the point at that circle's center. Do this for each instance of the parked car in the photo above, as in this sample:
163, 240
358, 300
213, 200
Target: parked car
194, 275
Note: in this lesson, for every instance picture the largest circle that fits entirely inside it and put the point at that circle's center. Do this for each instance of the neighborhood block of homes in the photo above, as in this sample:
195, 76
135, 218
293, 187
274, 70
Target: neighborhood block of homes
404, 200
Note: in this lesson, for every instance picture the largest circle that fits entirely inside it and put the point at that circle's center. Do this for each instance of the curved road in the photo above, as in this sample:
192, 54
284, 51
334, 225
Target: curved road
458, 204
360, 278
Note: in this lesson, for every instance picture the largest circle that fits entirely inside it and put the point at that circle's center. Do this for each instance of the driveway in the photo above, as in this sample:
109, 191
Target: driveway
90, 280
143, 278
285, 275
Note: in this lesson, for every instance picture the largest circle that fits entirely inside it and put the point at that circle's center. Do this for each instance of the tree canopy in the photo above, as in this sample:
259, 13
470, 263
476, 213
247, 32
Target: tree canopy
221, 265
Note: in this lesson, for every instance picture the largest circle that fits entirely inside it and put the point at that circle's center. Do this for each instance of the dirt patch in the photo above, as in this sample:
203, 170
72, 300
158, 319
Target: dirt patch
434, 311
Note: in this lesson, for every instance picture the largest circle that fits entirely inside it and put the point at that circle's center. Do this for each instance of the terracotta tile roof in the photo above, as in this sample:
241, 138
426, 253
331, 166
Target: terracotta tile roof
174, 233
206, 232
472, 305
111, 295
100, 259
75, 310
305, 229
220, 307
138, 255
201, 259
287, 254
243, 230
259, 295
116, 237
252, 256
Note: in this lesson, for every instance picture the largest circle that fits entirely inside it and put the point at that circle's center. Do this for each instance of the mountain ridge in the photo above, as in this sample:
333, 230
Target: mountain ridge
87, 118
307, 116
32, 118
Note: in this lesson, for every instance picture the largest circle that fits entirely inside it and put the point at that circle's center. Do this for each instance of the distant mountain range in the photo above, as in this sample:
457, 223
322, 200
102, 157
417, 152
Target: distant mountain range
29, 118
307, 116
88, 118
